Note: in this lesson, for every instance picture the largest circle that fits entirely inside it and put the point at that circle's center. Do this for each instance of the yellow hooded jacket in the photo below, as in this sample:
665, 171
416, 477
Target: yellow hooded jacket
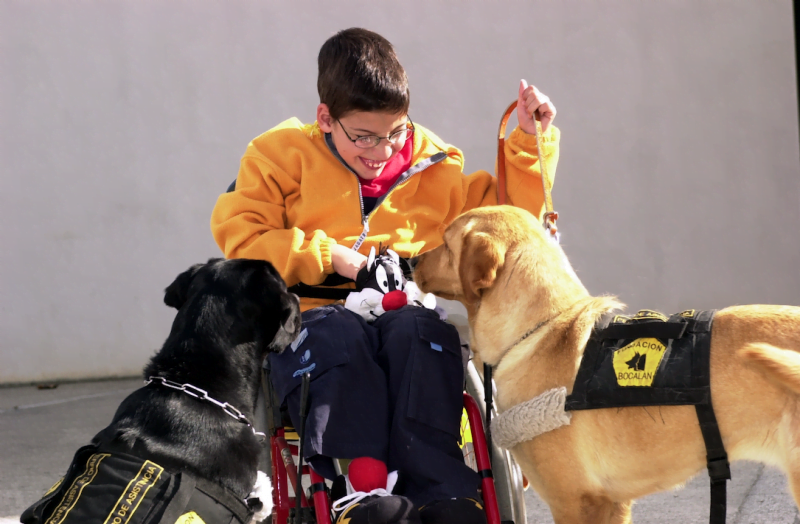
294, 199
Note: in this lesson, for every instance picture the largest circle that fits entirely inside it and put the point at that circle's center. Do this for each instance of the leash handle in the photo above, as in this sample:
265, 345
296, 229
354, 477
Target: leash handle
550, 216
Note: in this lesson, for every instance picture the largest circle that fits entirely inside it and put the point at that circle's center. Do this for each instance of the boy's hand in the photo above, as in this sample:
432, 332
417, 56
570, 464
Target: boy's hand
532, 101
347, 262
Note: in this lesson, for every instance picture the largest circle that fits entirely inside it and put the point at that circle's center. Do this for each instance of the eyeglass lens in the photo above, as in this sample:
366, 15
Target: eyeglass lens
372, 141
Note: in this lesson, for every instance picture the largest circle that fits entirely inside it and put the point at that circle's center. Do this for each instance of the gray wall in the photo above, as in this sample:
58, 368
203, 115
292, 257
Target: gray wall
121, 121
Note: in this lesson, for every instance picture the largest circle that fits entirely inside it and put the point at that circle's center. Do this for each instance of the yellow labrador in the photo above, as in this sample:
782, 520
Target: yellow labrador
512, 278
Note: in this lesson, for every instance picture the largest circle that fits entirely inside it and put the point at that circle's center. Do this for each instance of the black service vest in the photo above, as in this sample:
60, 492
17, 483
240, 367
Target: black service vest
646, 360
116, 488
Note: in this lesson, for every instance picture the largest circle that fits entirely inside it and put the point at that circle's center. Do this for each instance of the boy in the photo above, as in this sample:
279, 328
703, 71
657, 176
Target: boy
313, 199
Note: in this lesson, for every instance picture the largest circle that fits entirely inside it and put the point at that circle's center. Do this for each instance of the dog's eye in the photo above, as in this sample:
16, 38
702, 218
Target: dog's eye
383, 280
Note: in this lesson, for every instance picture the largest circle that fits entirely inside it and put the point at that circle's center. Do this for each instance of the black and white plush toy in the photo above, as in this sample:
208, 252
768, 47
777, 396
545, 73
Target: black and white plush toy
382, 287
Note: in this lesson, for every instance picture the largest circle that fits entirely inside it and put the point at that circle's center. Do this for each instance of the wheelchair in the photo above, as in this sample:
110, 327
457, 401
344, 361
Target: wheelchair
502, 483
501, 478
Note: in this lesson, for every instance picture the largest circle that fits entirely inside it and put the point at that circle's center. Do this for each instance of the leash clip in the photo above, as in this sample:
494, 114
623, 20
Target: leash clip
549, 223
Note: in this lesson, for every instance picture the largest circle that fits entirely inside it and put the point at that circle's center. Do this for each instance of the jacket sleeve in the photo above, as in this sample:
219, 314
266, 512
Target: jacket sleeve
250, 222
523, 174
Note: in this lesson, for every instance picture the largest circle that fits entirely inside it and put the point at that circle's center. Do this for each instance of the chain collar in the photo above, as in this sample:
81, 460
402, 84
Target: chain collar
194, 391
528, 333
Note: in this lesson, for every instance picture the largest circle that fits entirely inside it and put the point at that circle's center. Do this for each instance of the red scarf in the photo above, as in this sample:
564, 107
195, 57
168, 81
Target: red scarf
396, 166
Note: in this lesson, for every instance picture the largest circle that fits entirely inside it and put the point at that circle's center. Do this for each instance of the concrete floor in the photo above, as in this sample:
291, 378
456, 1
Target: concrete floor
41, 429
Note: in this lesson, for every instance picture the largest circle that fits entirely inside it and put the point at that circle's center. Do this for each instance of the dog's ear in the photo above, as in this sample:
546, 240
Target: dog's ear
480, 260
176, 293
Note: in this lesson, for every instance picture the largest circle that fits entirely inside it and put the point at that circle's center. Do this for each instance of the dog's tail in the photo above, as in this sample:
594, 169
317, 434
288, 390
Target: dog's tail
780, 365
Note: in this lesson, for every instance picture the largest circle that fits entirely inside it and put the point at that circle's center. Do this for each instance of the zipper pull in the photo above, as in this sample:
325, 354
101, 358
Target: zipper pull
363, 234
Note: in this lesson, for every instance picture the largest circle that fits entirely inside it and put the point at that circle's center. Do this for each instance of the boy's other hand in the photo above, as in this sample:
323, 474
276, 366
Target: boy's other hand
347, 262
532, 101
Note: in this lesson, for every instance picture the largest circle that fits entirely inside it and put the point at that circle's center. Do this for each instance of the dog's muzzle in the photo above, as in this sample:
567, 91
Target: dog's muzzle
291, 326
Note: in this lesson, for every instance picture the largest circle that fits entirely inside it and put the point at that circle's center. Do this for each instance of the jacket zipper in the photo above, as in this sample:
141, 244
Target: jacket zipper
408, 173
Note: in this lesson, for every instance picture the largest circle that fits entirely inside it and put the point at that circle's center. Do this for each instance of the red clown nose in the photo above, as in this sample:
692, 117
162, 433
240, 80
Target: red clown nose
394, 300
367, 473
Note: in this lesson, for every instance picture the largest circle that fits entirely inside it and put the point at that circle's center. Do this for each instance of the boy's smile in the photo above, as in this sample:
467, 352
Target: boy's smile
368, 163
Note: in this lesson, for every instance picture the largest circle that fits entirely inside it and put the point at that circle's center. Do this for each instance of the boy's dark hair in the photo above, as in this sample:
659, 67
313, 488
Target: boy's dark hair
359, 71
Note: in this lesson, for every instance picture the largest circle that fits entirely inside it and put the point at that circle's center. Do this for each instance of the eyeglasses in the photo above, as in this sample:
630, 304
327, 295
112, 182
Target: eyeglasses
369, 141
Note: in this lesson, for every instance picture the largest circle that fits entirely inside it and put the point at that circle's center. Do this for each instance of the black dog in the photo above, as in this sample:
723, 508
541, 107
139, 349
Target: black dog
167, 453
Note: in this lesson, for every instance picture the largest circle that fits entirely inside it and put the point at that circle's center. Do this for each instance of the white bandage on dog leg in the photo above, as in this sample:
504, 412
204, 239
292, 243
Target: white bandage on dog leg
530, 419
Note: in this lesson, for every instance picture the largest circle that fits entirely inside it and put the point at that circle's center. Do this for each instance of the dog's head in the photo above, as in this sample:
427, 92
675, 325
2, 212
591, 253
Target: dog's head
479, 245
240, 300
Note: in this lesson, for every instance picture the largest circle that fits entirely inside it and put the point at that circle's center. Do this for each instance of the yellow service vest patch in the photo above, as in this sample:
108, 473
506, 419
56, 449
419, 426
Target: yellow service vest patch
190, 518
134, 493
636, 364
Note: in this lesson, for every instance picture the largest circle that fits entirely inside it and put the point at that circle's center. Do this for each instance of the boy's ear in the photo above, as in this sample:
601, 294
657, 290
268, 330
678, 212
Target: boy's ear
324, 118
176, 293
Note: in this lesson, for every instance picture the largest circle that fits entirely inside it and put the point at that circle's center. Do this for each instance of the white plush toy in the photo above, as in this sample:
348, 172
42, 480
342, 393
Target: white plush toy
263, 492
383, 287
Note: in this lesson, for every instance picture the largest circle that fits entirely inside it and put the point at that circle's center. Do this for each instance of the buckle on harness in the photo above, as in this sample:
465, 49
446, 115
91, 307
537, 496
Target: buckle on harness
719, 469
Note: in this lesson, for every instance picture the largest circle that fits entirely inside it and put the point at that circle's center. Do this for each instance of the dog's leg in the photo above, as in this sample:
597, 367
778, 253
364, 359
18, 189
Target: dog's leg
792, 468
794, 485
593, 510
621, 514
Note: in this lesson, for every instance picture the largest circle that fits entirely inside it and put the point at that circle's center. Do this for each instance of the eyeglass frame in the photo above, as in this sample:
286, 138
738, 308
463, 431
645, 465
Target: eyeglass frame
409, 130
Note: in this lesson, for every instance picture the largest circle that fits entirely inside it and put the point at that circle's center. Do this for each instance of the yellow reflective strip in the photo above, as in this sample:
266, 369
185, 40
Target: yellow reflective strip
74, 492
466, 429
134, 493
55, 487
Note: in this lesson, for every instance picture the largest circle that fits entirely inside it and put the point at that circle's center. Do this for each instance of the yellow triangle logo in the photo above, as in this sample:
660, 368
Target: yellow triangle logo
636, 363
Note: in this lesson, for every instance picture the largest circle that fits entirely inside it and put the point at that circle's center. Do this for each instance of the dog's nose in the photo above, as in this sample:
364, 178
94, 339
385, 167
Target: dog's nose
412, 262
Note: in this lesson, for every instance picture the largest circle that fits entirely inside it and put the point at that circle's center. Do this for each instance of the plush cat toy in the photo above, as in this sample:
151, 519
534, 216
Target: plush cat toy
383, 287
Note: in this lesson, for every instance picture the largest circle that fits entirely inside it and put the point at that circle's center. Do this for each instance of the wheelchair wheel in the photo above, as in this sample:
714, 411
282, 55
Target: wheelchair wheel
507, 473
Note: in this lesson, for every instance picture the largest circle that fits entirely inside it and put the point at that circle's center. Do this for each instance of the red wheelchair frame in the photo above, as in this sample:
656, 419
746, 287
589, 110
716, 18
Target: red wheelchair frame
284, 473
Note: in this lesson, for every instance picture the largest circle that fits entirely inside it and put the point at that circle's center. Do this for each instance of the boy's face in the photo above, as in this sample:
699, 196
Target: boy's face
367, 163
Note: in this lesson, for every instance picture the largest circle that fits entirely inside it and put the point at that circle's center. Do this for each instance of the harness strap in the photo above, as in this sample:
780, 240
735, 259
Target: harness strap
178, 502
225, 497
719, 469
665, 330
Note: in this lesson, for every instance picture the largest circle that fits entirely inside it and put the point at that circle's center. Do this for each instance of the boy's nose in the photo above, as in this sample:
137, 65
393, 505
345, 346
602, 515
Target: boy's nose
384, 151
